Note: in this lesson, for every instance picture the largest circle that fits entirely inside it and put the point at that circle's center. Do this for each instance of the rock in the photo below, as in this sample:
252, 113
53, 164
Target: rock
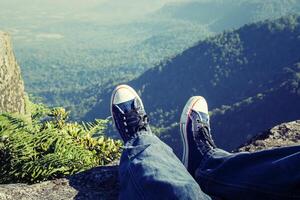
12, 96
102, 182
97, 183
285, 134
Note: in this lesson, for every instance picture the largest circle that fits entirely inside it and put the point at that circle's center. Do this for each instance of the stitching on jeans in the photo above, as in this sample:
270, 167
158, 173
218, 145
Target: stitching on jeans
138, 189
141, 149
204, 176
138, 135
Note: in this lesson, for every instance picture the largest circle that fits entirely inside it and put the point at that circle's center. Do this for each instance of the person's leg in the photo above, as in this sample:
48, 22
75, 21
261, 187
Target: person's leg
150, 170
148, 167
271, 174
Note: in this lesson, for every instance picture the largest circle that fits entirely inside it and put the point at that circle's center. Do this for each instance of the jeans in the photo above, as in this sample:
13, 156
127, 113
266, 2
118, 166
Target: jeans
150, 170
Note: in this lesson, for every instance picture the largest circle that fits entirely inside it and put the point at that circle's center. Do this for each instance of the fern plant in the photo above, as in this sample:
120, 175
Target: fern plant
38, 150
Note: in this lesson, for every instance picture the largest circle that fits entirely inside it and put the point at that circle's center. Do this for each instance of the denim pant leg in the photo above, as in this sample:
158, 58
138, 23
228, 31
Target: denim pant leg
264, 175
150, 170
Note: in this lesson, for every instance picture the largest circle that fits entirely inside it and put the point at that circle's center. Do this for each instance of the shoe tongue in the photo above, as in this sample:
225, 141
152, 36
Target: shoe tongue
195, 115
127, 106
202, 117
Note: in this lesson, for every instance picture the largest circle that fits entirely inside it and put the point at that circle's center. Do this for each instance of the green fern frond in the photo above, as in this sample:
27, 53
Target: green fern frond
37, 151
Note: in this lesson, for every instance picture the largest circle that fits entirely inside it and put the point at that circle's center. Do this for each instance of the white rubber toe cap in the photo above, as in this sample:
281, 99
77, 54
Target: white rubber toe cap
123, 93
200, 104
196, 103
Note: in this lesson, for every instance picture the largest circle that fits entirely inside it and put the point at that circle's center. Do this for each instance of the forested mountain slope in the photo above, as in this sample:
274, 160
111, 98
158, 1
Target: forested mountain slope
252, 70
94, 44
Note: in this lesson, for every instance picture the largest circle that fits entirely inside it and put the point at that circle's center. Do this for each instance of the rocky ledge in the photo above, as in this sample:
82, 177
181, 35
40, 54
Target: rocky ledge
286, 134
97, 183
102, 182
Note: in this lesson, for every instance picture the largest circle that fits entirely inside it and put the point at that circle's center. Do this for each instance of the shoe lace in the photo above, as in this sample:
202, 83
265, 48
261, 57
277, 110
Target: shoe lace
202, 133
135, 120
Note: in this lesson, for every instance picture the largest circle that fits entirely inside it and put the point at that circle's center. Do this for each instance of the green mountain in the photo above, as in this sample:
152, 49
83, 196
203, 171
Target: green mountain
64, 48
249, 76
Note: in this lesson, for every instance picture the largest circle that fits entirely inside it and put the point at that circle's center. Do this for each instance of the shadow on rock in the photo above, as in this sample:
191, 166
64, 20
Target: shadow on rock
96, 183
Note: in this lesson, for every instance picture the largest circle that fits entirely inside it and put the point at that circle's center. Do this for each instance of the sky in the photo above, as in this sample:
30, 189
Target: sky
106, 10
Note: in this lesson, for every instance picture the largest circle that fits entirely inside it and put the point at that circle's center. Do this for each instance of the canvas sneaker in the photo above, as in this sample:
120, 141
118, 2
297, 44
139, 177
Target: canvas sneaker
195, 132
128, 112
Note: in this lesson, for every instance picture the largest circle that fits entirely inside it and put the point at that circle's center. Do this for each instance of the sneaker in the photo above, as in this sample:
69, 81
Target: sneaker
195, 132
128, 112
